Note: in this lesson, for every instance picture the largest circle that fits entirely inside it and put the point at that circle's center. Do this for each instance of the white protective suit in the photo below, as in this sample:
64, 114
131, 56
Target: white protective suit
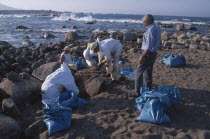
110, 49
53, 82
89, 58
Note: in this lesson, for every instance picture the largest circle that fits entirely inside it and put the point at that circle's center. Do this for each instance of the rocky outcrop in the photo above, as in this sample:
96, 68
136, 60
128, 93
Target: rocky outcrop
44, 70
22, 91
48, 36
71, 36
180, 27
129, 36
21, 27
94, 87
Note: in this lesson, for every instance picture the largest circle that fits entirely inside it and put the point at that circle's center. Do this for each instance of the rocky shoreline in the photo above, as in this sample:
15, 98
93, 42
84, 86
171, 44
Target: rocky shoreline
22, 71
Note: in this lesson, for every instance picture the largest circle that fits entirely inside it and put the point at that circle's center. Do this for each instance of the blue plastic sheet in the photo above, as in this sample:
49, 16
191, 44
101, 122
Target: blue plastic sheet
152, 104
79, 63
128, 72
70, 99
174, 60
57, 118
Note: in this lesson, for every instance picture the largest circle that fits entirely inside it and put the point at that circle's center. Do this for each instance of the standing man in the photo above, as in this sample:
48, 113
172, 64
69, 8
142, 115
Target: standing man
151, 41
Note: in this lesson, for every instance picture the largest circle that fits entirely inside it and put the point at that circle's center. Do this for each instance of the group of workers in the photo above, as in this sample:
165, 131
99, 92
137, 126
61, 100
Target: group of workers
109, 51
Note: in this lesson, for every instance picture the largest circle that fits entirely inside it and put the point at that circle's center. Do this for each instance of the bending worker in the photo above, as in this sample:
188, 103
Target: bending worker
90, 57
151, 41
110, 49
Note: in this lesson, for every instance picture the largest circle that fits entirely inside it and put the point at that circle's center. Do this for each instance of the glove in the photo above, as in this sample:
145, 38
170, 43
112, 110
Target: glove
72, 66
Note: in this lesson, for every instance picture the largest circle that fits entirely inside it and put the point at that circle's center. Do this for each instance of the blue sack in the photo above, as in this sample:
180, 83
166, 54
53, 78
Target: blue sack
128, 72
172, 92
57, 118
152, 104
79, 63
174, 60
153, 112
70, 99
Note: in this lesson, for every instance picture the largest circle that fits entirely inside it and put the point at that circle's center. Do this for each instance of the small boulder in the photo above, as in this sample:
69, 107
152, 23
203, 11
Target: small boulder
21, 60
71, 36
48, 36
94, 87
167, 44
133, 50
22, 91
191, 28
9, 128
44, 70
21, 27
182, 36
128, 36
10, 108
165, 36
27, 43
25, 75
180, 27
13, 76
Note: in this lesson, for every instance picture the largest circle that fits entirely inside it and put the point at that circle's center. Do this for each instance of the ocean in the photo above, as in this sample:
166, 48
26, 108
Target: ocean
59, 23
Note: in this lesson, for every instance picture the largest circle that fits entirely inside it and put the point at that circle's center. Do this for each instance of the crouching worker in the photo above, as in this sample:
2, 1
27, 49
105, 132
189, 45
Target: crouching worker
90, 57
110, 50
62, 77
67, 58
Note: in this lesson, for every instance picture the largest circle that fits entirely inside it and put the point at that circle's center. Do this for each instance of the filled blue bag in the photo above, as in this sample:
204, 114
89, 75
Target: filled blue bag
70, 99
172, 92
57, 118
173, 60
152, 104
79, 63
128, 72
153, 112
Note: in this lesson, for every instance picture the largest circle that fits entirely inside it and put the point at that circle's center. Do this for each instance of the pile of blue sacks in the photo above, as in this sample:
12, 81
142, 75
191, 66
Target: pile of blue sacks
153, 104
174, 60
57, 117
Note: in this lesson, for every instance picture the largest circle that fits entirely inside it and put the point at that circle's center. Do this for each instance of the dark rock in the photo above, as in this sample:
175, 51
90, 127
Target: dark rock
191, 28
95, 86
71, 36
13, 76
35, 65
22, 60
165, 36
10, 108
35, 129
48, 36
25, 75
180, 27
23, 91
28, 43
44, 70
128, 36
3, 95
90, 22
21, 27
26, 38
9, 128
74, 27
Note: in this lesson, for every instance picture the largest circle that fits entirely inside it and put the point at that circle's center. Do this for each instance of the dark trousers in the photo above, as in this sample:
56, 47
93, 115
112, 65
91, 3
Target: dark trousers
143, 73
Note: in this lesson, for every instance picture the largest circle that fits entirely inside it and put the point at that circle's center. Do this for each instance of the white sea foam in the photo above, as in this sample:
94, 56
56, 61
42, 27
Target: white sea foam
58, 30
16, 16
180, 22
72, 16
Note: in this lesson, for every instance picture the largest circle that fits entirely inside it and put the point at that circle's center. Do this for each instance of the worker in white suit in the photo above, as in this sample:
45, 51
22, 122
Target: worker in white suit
62, 77
90, 57
110, 50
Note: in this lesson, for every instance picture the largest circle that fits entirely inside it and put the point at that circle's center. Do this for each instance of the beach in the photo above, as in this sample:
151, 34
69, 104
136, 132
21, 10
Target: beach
110, 113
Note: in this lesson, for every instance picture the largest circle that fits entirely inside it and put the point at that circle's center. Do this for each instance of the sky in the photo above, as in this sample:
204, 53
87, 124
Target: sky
200, 8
